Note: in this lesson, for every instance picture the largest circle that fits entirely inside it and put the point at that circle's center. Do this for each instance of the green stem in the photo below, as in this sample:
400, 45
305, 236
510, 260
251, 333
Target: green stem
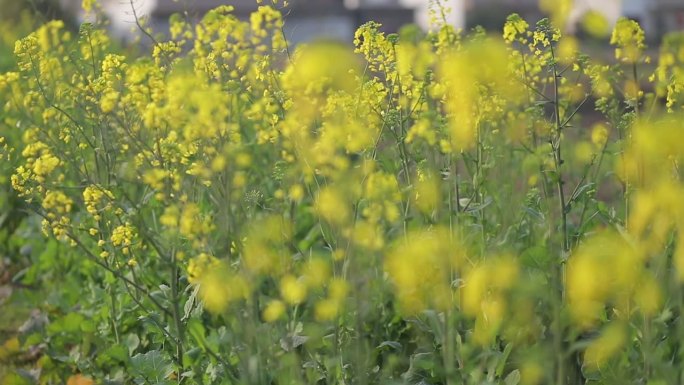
113, 315
175, 309
562, 208
478, 187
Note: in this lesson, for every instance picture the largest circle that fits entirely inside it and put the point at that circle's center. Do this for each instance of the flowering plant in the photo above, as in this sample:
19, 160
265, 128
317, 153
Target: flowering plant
420, 208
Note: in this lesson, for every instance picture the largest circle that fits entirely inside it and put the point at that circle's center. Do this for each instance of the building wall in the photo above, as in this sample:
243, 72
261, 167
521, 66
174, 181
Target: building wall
667, 16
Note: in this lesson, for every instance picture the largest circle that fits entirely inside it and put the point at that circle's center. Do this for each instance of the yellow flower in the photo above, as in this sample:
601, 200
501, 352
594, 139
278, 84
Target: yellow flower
316, 272
603, 348
57, 202
331, 206
123, 235
595, 24
296, 192
327, 309
274, 310
292, 290
628, 37
427, 195
599, 135
220, 287
515, 28
201, 264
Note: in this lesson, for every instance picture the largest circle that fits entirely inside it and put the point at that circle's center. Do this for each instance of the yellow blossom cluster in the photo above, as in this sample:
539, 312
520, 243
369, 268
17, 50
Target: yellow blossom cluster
422, 267
628, 37
92, 198
669, 75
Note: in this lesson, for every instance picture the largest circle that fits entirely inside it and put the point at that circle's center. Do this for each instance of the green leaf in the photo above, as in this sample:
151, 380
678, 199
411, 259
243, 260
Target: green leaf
114, 354
293, 341
88, 326
196, 330
153, 366
70, 323
19, 378
581, 190
312, 236
504, 357
190, 303
132, 341
390, 344
513, 378
435, 323
536, 257
192, 356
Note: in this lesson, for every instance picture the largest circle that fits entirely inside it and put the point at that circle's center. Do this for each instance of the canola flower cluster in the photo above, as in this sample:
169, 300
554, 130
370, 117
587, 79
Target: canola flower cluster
442, 178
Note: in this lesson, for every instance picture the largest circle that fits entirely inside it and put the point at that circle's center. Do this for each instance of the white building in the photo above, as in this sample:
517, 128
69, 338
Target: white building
455, 16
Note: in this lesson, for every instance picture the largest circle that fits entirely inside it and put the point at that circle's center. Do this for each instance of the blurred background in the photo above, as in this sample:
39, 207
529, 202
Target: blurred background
309, 19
